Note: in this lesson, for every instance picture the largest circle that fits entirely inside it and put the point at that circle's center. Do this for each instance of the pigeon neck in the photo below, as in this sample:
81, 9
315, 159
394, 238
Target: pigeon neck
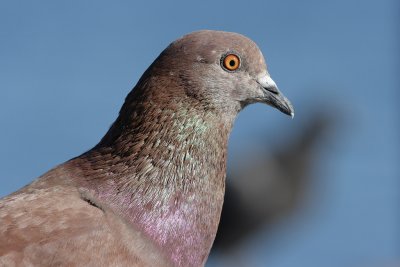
165, 174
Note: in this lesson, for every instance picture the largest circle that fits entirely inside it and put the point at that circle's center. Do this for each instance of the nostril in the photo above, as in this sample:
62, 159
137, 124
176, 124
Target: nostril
270, 87
273, 90
268, 84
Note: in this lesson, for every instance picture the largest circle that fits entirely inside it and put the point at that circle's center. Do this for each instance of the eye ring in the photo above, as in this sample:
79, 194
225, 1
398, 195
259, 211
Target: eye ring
230, 62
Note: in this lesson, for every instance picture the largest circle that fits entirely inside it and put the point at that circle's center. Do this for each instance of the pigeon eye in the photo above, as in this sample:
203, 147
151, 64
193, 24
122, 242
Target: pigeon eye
231, 62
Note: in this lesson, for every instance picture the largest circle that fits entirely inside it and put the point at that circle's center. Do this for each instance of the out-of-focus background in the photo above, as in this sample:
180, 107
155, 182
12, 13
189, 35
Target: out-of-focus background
322, 189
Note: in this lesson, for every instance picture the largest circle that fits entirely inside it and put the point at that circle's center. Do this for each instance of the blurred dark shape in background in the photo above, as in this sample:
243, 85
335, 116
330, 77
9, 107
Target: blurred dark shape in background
271, 186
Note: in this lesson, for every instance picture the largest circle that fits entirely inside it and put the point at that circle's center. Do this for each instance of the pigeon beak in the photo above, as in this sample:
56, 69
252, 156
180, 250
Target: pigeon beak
273, 97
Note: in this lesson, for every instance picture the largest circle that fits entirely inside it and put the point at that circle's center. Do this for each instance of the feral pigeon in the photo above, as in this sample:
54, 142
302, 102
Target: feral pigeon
150, 193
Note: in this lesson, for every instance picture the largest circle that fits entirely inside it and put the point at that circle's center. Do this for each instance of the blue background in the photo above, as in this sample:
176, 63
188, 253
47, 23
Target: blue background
65, 68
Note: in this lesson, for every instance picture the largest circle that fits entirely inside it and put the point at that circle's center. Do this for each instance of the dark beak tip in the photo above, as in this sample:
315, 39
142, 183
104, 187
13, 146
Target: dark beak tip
288, 111
284, 105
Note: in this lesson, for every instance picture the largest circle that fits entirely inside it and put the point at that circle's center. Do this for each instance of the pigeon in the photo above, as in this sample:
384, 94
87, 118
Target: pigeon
150, 193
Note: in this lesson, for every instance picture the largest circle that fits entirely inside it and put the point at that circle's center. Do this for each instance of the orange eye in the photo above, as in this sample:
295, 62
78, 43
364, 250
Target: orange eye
231, 62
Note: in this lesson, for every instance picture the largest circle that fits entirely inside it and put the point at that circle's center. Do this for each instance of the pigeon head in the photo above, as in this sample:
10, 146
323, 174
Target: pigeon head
218, 70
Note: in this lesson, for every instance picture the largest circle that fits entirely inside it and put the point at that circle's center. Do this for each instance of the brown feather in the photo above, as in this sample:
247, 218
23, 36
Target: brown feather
151, 192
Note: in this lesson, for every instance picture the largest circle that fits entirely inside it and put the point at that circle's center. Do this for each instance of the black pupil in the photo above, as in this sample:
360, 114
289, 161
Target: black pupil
232, 63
